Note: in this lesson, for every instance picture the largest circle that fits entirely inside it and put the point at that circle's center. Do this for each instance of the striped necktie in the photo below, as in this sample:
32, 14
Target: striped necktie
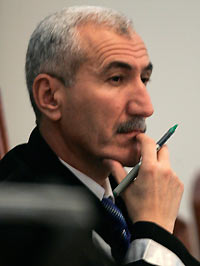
117, 233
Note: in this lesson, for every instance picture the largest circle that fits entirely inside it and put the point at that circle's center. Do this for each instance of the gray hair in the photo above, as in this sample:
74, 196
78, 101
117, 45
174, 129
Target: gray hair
55, 46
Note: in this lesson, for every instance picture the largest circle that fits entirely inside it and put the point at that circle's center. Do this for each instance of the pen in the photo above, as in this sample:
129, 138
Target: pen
134, 172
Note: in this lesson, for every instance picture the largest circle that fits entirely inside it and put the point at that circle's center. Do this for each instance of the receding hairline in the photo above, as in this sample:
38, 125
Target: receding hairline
56, 39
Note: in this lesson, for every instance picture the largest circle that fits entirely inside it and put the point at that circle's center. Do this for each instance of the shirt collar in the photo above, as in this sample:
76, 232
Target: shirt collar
99, 191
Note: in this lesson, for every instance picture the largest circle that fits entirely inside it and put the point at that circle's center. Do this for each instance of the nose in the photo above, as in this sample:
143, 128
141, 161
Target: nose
140, 102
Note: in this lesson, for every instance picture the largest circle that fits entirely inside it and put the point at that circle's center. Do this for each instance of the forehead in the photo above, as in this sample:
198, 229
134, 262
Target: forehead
104, 46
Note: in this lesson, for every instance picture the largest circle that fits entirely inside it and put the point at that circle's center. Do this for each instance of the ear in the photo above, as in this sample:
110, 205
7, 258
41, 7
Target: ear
47, 95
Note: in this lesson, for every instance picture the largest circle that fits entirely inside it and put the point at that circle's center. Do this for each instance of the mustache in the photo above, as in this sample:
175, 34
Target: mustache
137, 123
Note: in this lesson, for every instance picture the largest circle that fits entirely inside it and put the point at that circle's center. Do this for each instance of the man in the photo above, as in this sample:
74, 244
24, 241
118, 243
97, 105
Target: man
87, 71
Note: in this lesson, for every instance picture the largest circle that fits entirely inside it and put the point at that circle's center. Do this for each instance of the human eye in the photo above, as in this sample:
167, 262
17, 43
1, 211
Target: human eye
116, 80
145, 80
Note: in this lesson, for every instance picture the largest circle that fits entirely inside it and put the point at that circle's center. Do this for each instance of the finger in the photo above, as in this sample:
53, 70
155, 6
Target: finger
116, 169
148, 148
163, 155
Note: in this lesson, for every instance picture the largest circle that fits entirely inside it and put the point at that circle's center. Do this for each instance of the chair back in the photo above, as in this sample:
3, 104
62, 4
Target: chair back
3, 133
182, 232
196, 204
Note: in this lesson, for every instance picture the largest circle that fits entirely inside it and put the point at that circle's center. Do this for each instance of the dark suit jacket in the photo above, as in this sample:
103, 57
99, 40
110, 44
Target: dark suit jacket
35, 162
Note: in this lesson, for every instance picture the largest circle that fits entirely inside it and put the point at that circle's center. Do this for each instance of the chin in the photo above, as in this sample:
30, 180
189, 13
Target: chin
131, 158
130, 163
128, 160
128, 156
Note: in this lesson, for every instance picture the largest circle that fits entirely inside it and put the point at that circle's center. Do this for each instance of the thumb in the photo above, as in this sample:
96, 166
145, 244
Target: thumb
116, 169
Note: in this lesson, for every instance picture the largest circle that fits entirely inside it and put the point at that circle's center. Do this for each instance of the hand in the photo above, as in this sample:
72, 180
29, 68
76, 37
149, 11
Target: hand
116, 169
156, 193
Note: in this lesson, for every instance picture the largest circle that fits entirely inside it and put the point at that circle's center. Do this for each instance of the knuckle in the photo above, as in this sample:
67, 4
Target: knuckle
167, 172
179, 183
150, 168
181, 186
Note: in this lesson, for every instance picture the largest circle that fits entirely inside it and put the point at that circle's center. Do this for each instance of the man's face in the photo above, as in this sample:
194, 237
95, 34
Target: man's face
107, 105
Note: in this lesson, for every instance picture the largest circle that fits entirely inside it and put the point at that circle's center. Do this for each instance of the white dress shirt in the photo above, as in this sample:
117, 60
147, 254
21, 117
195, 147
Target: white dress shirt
146, 249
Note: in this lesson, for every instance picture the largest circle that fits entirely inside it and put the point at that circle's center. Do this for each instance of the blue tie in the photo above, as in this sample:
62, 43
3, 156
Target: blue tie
118, 235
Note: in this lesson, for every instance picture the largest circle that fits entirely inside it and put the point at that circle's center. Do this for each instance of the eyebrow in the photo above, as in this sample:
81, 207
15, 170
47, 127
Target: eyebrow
123, 65
117, 64
149, 67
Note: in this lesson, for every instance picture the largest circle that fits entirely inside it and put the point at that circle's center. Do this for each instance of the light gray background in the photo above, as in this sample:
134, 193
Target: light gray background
170, 30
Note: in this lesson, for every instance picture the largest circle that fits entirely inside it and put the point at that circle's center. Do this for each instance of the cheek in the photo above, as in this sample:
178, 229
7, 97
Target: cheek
108, 112
98, 109
98, 119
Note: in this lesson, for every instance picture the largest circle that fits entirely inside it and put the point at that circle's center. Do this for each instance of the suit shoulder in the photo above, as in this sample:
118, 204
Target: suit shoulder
12, 161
